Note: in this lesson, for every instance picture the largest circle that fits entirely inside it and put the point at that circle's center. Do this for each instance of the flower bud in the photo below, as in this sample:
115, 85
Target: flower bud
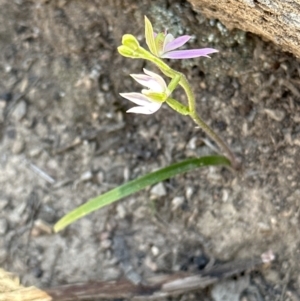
130, 41
127, 52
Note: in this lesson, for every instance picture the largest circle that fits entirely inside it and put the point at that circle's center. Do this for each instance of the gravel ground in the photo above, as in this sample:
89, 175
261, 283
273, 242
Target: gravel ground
65, 137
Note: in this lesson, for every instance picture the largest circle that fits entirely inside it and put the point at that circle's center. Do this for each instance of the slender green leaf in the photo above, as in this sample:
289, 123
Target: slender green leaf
136, 185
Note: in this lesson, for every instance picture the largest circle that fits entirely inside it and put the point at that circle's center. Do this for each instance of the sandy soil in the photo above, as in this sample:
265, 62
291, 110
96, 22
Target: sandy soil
65, 137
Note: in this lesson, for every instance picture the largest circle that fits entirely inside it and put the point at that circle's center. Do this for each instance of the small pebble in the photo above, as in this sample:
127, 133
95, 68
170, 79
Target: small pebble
296, 118
2, 103
105, 244
277, 115
121, 211
149, 263
3, 203
264, 227
177, 202
228, 210
271, 276
105, 235
88, 175
35, 152
225, 195
158, 190
3, 226
111, 274
189, 192
40, 227
1, 115
100, 177
155, 250
8, 68
18, 147
3, 255
20, 110
296, 142
192, 144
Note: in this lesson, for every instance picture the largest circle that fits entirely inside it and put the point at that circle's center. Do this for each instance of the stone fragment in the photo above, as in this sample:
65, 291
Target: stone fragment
121, 210
105, 244
277, 115
86, 176
230, 289
158, 190
3, 203
3, 255
20, 110
18, 146
177, 202
40, 227
3, 226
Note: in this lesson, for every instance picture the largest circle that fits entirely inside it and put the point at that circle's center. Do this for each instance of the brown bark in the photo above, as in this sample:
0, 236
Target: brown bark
275, 20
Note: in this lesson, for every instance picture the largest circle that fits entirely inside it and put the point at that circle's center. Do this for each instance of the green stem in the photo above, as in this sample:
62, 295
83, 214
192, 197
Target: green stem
177, 106
221, 144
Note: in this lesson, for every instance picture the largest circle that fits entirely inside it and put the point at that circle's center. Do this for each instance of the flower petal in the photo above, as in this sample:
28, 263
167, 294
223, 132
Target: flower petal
175, 43
137, 98
168, 38
148, 81
150, 36
145, 110
159, 42
187, 54
158, 79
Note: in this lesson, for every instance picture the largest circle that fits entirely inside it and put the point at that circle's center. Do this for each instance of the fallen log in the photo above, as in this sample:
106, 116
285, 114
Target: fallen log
274, 20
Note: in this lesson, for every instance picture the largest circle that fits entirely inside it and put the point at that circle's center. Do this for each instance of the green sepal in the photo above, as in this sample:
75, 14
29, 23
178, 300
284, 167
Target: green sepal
150, 36
128, 52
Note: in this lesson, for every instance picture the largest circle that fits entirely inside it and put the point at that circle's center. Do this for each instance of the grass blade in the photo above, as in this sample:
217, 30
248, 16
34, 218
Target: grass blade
137, 185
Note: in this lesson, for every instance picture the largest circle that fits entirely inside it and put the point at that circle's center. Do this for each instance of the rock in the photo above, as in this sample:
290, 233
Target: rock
158, 190
20, 110
276, 20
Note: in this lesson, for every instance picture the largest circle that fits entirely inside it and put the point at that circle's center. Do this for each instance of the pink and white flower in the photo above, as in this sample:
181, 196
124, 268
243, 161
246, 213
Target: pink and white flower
151, 99
163, 45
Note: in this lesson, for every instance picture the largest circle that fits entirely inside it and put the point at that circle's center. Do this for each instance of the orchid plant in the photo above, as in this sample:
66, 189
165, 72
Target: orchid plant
162, 45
